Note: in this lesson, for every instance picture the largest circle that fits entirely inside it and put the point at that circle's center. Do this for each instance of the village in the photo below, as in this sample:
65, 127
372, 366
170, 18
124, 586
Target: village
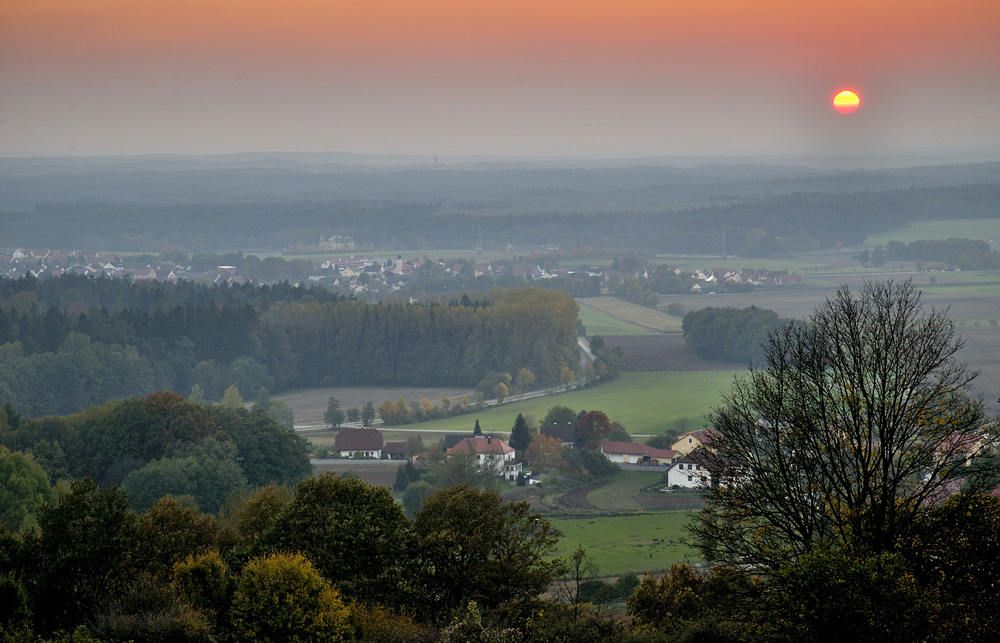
373, 275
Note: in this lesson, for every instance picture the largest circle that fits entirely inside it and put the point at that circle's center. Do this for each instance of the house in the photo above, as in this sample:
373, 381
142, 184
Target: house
395, 450
511, 469
565, 433
689, 471
359, 443
490, 452
688, 442
637, 453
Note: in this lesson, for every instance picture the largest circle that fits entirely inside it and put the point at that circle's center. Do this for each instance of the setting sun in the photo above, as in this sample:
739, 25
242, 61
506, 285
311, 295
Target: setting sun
846, 101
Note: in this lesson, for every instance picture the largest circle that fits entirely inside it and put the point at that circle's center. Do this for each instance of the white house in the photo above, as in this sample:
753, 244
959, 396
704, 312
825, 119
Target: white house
491, 453
688, 472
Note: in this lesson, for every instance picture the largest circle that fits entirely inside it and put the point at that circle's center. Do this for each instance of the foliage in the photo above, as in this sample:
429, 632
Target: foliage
368, 414
170, 532
24, 488
559, 415
729, 334
693, 606
472, 547
83, 554
334, 415
829, 595
592, 428
351, 531
956, 555
544, 453
208, 472
282, 598
855, 425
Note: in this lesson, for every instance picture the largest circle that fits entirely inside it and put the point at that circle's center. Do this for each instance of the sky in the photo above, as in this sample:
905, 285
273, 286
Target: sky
526, 78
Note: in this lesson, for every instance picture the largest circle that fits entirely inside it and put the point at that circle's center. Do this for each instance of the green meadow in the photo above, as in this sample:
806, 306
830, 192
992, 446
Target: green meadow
644, 403
599, 322
635, 542
985, 229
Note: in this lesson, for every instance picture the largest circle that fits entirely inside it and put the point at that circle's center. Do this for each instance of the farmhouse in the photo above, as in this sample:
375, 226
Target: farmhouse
491, 453
565, 433
359, 443
688, 442
689, 471
637, 453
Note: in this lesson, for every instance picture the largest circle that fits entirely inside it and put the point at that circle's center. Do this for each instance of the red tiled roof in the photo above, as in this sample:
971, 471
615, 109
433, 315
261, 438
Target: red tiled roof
481, 446
637, 448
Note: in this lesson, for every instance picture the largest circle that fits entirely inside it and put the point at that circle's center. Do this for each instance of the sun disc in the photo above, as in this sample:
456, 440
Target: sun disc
846, 101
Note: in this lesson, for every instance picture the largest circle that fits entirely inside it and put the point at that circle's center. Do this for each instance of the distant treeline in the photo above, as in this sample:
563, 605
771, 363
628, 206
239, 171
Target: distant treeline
71, 342
729, 334
751, 226
967, 254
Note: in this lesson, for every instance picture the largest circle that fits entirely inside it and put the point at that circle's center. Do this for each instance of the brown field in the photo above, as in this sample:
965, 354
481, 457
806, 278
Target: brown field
376, 472
634, 314
310, 405
646, 353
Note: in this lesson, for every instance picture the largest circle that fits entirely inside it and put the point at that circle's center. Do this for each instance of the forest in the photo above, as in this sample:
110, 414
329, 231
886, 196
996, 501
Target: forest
745, 210
126, 339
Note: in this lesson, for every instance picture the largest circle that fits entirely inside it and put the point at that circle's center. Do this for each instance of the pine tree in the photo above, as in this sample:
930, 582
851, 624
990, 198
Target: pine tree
520, 436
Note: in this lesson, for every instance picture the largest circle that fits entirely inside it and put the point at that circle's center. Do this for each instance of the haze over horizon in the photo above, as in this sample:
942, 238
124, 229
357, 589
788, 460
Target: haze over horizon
560, 79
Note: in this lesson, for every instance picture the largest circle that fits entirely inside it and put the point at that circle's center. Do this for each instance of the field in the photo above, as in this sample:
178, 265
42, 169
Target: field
663, 353
637, 542
984, 229
640, 316
601, 323
644, 403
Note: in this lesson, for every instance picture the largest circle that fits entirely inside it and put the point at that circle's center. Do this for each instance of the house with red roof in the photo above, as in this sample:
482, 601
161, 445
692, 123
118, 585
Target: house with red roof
637, 453
490, 452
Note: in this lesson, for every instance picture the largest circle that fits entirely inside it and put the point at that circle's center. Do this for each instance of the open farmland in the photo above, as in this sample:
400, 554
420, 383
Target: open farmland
663, 353
641, 316
644, 403
636, 542
604, 324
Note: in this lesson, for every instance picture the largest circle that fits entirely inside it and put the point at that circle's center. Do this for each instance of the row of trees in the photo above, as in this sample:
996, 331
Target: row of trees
54, 361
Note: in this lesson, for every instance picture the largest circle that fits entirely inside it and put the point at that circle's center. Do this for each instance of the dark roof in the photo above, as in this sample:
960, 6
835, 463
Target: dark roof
563, 432
452, 439
358, 440
396, 448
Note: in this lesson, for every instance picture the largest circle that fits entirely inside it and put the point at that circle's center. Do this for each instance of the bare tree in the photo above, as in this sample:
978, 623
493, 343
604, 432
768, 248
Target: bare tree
857, 423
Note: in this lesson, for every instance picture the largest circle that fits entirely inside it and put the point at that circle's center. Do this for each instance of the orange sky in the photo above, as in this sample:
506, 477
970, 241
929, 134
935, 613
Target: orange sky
539, 77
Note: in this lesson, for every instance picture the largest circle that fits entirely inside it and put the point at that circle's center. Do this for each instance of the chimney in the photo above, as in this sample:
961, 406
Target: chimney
489, 439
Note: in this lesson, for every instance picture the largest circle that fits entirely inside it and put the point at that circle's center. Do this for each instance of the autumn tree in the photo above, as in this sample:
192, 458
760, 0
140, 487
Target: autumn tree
472, 546
544, 453
524, 380
282, 598
856, 423
592, 428
232, 399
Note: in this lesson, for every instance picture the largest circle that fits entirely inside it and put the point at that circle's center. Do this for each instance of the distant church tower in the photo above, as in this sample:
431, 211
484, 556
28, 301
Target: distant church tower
723, 243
